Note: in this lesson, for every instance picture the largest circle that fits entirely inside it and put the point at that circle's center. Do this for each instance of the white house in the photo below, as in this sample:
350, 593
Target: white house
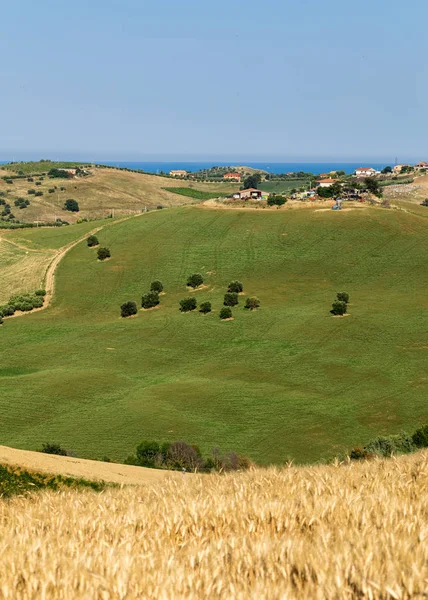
178, 173
327, 182
421, 165
365, 172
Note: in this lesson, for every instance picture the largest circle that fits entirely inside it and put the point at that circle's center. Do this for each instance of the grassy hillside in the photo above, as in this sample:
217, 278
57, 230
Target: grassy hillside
286, 381
98, 195
278, 187
347, 532
39, 166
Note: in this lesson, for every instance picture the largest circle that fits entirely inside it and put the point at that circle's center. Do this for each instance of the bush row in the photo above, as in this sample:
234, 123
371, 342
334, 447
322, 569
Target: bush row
22, 302
389, 445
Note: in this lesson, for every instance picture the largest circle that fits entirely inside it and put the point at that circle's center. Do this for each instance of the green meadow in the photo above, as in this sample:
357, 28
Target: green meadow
285, 381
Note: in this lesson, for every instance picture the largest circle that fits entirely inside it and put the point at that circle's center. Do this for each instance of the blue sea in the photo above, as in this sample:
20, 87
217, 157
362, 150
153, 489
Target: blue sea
271, 167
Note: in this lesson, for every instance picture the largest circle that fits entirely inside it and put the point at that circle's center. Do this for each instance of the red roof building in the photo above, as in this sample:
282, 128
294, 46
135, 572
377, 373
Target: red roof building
234, 176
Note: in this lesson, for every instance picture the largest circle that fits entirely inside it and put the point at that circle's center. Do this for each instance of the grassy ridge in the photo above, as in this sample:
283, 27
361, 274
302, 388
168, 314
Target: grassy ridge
40, 166
286, 381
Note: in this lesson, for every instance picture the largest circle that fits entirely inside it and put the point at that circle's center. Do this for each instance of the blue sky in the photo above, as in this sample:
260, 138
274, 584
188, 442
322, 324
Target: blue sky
232, 79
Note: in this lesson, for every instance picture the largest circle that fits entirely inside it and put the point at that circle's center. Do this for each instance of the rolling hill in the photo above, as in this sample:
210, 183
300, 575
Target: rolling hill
104, 192
286, 381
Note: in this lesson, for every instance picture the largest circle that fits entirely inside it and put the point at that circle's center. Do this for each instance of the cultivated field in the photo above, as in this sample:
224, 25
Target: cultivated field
104, 192
279, 187
286, 381
345, 532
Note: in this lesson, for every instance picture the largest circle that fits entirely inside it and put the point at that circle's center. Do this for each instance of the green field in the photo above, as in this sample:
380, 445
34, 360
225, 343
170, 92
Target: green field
40, 166
279, 187
287, 381
196, 194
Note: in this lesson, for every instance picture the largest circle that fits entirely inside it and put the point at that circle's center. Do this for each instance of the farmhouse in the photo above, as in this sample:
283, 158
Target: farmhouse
178, 173
324, 175
69, 171
232, 176
365, 172
251, 193
421, 165
397, 169
327, 182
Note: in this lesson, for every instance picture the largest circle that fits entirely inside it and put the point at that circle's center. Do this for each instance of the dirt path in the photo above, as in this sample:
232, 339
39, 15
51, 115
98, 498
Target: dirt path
49, 278
80, 467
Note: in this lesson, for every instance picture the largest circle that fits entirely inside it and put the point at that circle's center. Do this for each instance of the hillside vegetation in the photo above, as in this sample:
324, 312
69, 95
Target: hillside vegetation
103, 192
350, 531
285, 381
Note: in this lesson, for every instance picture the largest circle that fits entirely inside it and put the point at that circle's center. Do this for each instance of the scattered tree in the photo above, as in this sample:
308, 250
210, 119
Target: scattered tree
187, 304
424, 202
343, 296
252, 181
236, 287
71, 205
420, 437
40, 292
128, 309
276, 200
386, 170
195, 280
339, 308
205, 307
103, 253
92, 241
252, 303
225, 313
230, 299
150, 300
372, 185
156, 286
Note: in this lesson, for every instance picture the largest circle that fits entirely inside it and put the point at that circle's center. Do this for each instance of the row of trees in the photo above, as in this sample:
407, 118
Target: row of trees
149, 300
22, 302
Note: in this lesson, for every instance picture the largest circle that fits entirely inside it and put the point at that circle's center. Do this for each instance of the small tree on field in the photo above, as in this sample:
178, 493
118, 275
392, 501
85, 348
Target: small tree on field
230, 299
343, 296
205, 307
252, 303
71, 205
92, 241
147, 452
150, 300
339, 308
103, 253
225, 313
420, 437
128, 308
187, 304
235, 286
156, 286
195, 280
424, 202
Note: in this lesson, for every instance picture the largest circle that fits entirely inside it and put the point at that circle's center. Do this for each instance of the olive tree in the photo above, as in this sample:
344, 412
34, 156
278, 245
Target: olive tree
128, 309
195, 280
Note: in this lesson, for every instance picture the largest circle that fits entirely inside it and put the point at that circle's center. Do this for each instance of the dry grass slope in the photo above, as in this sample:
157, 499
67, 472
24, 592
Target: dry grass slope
336, 532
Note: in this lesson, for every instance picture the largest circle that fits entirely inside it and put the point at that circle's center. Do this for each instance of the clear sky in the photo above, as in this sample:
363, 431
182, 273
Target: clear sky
232, 79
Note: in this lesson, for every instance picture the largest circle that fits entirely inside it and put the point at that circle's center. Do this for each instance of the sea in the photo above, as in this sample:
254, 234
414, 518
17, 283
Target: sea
271, 167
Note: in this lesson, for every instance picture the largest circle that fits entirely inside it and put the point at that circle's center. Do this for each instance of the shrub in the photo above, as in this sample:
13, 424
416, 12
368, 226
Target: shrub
71, 205
150, 300
1, 320
38, 194
48, 448
40, 292
205, 307
128, 308
388, 445
195, 280
236, 287
360, 454
252, 303
38, 183
420, 437
92, 241
31, 191
103, 253
37, 302
30, 179
343, 296
7, 310
230, 299
424, 202
339, 308
276, 200
147, 453
187, 304
156, 286
51, 190
180, 455
225, 313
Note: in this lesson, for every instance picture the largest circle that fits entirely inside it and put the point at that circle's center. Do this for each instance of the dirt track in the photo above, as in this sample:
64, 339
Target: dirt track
79, 467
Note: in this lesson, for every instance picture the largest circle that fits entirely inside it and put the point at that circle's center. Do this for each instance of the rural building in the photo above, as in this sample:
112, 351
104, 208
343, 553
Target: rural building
178, 173
325, 182
397, 169
251, 193
324, 175
69, 171
421, 165
365, 172
232, 176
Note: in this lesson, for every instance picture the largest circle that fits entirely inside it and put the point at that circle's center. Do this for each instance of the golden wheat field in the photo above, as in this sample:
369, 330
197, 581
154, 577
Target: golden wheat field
336, 532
